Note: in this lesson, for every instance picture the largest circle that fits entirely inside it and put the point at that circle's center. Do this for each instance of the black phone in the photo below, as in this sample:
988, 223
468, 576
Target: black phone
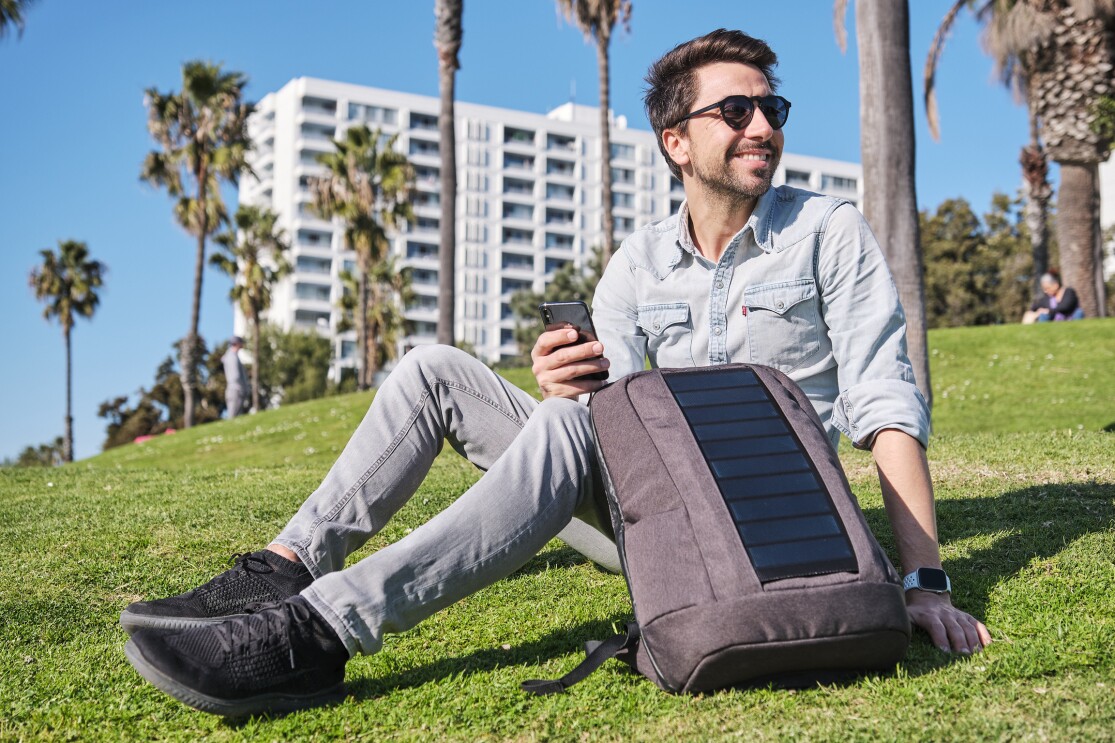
559, 315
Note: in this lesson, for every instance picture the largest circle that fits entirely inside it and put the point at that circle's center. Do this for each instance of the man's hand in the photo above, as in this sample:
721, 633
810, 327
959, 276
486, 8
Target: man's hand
557, 364
951, 630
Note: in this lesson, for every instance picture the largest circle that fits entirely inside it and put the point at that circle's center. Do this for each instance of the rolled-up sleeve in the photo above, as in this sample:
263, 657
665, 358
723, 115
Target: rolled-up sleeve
615, 315
867, 327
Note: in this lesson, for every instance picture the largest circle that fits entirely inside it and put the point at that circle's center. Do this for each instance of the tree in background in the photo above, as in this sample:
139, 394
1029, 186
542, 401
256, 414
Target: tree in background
293, 365
887, 144
389, 292
447, 40
253, 255
368, 189
203, 135
569, 283
1060, 55
597, 20
977, 272
11, 15
67, 281
43, 455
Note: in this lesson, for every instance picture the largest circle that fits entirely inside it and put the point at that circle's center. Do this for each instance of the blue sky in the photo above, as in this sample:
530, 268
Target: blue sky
73, 135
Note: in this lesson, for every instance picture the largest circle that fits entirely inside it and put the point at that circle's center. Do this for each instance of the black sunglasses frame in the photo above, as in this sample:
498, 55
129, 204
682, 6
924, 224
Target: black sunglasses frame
756, 102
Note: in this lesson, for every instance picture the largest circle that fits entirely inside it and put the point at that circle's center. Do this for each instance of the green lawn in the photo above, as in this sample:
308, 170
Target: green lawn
1025, 476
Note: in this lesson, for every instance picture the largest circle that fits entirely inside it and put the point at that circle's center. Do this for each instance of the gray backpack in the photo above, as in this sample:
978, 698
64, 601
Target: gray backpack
746, 555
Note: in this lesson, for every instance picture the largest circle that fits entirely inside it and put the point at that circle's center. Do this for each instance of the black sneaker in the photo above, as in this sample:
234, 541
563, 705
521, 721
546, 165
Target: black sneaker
256, 577
280, 657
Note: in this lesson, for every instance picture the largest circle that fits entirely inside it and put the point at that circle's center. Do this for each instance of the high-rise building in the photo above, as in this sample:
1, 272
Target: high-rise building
528, 201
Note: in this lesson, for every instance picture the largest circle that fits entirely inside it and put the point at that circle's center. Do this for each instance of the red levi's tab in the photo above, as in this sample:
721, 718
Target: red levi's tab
743, 310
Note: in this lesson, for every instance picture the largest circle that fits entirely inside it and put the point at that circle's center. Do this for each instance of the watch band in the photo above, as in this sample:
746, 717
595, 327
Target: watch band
930, 582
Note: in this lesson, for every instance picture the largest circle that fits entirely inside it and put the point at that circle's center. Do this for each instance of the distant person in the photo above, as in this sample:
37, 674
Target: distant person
236, 380
1059, 303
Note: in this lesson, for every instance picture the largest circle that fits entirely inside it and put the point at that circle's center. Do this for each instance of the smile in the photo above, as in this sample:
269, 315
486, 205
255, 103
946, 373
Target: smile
759, 156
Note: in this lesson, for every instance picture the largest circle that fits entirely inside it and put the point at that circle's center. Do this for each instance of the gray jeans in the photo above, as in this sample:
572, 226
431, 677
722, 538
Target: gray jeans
540, 471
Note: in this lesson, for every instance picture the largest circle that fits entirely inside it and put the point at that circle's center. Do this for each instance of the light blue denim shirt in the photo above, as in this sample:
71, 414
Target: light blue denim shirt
803, 288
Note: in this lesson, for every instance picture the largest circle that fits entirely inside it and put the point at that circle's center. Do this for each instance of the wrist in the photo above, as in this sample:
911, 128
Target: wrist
927, 580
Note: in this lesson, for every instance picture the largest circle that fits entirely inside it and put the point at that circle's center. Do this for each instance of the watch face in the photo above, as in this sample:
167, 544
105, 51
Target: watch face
931, 579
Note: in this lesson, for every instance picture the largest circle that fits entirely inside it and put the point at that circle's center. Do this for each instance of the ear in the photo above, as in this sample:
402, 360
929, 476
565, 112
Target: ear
676, 145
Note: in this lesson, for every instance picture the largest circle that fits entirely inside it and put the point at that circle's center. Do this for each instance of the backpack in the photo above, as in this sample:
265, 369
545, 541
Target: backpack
745, 552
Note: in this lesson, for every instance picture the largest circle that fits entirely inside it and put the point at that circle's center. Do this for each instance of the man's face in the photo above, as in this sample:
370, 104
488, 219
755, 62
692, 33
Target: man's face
738, 165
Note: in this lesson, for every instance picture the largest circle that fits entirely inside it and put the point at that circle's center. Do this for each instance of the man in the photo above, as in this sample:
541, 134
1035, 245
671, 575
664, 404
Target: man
729, 278
236, 380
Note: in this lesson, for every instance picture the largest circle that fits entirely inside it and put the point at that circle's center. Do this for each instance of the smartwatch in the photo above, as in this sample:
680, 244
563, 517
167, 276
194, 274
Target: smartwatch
930, 580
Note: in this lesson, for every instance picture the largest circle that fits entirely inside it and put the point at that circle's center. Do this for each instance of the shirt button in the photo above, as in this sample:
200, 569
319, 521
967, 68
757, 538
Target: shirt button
716, 330
657, 325
780, 305
719, 284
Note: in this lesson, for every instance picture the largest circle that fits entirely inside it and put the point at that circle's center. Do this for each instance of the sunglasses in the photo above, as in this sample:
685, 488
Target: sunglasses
738, 110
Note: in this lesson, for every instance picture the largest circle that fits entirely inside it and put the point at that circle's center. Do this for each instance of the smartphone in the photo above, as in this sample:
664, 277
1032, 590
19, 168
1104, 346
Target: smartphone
559, 315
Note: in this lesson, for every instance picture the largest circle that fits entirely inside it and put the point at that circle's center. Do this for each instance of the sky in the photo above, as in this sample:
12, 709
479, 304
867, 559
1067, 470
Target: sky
73, 135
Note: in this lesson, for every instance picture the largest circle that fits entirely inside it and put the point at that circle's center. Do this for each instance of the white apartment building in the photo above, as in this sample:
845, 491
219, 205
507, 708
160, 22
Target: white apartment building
528, 201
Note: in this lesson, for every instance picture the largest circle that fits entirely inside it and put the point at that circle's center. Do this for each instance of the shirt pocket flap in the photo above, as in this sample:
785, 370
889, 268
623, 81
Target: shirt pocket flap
655, 318
779, 297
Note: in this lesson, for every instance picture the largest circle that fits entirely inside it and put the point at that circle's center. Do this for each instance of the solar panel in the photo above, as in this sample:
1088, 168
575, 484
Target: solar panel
785, 518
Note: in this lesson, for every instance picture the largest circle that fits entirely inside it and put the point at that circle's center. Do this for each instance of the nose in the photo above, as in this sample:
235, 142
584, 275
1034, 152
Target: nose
758, 128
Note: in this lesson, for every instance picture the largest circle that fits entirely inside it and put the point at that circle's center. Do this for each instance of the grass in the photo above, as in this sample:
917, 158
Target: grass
1026, 486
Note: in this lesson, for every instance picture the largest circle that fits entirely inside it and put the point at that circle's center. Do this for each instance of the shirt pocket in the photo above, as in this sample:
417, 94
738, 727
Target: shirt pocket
783, 323
669, 334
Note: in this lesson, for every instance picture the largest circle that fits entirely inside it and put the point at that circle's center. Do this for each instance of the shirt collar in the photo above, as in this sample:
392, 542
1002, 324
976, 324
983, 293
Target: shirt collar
759, 224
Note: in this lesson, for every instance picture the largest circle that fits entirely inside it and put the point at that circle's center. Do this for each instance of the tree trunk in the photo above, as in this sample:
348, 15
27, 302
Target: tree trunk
602, 39
68, 437
1076, 232
1035, 173
189, 346
887, 142
255, 360
362, 329
447, 40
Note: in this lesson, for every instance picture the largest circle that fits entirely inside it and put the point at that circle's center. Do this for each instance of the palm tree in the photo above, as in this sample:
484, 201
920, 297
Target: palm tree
253, 256
447, 39
203, 135
11, 14
1015, 73
1060, 56
67, 281
887, 142
597, 19
389, 291
368, 188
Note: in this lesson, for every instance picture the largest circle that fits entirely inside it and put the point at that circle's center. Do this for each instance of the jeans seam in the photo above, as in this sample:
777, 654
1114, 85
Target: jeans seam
393, 445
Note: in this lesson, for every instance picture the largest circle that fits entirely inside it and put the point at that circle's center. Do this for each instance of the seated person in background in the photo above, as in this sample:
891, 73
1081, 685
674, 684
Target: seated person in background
1059, 302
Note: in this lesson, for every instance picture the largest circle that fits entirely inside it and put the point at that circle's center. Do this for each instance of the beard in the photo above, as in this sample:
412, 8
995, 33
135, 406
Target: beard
723, 182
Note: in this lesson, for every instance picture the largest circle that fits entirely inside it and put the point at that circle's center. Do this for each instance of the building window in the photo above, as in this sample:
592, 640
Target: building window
318, 131
311, 319
559, 216
623, 151
427, 175
426, 198
623, 175
312, 104
315, 292
624, 200
477, 181
478, 131
560, 191
517, 236
476, 232
512, 161
839, 183
554, 264
373, 114
510, 286
625, 224
475, 206
506, 336
309, 264
560, 167
676, 186
797, 177
517, 262
512, 210
316, 238
423, 121
512, 135
518, 186
423, 147
556, 240
561, 142
421, 250
423, 277
427, 223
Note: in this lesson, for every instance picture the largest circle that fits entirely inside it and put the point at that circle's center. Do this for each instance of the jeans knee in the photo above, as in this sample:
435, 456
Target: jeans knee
434, 360
563, 415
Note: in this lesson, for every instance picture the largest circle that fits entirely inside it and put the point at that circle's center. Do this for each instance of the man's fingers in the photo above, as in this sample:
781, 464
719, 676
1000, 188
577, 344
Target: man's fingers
983, 633
552, 339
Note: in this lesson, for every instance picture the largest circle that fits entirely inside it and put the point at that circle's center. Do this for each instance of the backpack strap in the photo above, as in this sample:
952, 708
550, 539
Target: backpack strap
596, 652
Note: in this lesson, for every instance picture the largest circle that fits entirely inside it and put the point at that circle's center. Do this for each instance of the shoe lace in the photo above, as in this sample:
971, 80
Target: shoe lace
243, 562
265, 624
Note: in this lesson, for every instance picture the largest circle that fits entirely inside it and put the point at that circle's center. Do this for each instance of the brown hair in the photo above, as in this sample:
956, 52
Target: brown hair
672, 80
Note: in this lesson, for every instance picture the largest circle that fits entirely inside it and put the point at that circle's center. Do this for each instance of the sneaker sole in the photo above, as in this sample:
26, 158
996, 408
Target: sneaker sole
259, 704
131, 621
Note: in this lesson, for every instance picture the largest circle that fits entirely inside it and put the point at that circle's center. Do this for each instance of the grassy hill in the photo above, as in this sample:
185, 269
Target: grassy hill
1023, 463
